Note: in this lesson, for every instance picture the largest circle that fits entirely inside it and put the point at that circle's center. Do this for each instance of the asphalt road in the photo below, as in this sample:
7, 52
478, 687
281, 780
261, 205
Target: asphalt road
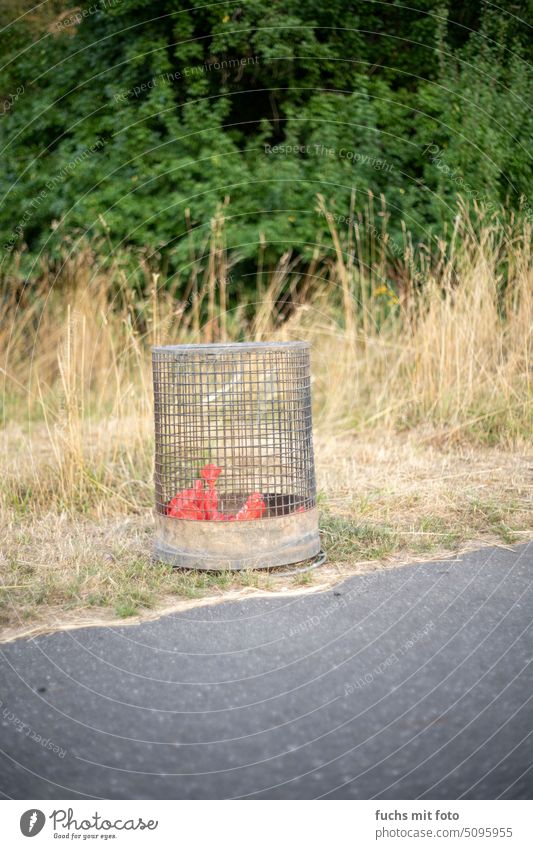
403, 683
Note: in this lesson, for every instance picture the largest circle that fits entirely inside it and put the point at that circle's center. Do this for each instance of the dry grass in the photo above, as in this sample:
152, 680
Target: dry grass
423, 410
383, 502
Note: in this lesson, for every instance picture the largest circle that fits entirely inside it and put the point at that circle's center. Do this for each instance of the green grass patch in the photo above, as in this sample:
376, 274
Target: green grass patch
346, 539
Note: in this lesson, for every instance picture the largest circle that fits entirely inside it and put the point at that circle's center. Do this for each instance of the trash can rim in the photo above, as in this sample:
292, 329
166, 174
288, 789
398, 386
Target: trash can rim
228, 346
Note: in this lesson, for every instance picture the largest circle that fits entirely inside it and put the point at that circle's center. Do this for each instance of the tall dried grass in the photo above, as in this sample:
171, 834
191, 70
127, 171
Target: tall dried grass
438, 339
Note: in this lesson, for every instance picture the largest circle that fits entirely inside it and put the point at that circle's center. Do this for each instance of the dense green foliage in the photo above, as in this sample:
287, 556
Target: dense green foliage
134, 122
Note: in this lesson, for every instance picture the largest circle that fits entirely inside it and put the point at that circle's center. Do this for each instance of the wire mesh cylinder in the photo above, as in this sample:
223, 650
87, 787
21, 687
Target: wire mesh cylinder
234, 467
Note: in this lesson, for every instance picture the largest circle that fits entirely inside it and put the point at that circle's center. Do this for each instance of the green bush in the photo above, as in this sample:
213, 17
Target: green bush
139, 120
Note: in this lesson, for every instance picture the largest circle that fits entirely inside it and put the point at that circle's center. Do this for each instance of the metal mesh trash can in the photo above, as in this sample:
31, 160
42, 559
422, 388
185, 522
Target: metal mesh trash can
234, 466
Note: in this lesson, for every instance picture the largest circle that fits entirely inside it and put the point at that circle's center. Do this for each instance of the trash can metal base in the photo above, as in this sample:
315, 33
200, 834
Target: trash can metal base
219, 546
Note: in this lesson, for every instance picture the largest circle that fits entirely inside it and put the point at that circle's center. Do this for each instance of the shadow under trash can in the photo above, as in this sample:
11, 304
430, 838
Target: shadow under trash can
234, 466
